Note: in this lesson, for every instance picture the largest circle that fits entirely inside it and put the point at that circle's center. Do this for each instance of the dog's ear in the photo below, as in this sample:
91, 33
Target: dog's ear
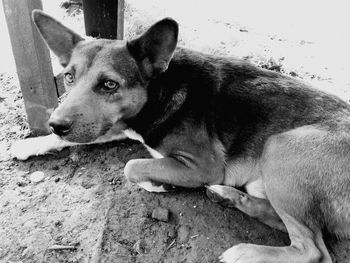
60, 39
154, 49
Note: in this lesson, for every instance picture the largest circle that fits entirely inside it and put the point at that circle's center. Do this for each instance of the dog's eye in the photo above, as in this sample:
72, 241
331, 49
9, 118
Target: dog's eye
110, 85
69, 78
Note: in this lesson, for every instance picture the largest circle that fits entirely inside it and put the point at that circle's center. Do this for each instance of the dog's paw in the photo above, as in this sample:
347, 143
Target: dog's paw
225, 195
155, 188
241, 253
23, 149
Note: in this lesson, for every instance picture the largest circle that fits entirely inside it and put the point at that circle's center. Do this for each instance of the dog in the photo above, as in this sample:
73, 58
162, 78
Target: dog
214, 122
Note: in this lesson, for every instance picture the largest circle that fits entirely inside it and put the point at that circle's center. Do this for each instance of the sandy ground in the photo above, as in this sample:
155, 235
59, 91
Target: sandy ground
84, 201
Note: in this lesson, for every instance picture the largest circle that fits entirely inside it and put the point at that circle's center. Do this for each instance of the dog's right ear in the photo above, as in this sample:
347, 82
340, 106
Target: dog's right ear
60, 39
154, 49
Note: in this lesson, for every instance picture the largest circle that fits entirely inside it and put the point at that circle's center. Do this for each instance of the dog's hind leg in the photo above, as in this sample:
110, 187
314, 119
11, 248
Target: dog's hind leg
296, 175
258, 208
306, 247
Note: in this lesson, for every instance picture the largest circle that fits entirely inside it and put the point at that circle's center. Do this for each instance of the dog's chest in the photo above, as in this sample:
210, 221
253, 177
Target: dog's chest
245, 173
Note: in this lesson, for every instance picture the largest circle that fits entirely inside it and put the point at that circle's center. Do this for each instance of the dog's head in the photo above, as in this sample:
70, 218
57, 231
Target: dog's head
107, 79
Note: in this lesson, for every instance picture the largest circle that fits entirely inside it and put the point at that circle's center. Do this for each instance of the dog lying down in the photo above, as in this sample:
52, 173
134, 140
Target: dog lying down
209, 121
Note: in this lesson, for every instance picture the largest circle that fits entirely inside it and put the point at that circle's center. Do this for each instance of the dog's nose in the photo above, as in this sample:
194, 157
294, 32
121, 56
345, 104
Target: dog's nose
60, 127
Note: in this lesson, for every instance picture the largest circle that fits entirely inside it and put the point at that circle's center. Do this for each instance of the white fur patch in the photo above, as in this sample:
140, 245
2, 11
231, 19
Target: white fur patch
148, 186
155, 154
233, 255
108, 138
23, 149
131, 134
216, 188
256, 189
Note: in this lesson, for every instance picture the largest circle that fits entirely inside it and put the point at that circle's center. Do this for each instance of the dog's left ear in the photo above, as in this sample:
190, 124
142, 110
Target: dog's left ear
154, 49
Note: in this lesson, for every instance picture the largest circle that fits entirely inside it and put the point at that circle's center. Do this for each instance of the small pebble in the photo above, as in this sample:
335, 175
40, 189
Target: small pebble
55, 167
58, 223
74, 157
183, 234
161, 214
37, 177
21, 183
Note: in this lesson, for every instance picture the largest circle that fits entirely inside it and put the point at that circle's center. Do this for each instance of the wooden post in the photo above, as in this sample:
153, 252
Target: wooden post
104, 18
33, 63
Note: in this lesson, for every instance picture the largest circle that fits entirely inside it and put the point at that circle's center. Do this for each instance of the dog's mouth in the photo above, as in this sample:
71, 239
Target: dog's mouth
78, 138
76, 133
86, 133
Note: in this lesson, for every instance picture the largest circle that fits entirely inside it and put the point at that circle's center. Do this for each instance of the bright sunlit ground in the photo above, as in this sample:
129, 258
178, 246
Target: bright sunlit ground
310, 38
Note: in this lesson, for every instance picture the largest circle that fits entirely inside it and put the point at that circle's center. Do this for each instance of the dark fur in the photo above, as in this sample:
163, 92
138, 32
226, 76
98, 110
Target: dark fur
238, 103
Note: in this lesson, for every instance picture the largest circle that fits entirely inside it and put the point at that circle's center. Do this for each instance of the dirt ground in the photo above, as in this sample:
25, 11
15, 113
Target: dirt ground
85, 203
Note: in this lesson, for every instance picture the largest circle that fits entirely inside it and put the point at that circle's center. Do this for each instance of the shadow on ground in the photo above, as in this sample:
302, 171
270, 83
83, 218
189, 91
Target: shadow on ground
85, 203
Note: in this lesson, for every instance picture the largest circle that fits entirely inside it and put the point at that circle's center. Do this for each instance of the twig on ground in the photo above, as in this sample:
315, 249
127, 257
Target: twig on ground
61, 247
170, 245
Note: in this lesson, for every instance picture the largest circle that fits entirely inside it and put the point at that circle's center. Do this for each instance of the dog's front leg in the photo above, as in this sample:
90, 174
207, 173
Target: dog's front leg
172, 171
23, 149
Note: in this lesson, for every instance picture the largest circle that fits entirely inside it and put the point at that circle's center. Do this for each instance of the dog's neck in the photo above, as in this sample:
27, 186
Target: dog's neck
158, 113
187, 87
167, 95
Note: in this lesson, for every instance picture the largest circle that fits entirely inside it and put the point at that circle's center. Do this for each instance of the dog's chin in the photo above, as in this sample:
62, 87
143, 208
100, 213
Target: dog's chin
79, 138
